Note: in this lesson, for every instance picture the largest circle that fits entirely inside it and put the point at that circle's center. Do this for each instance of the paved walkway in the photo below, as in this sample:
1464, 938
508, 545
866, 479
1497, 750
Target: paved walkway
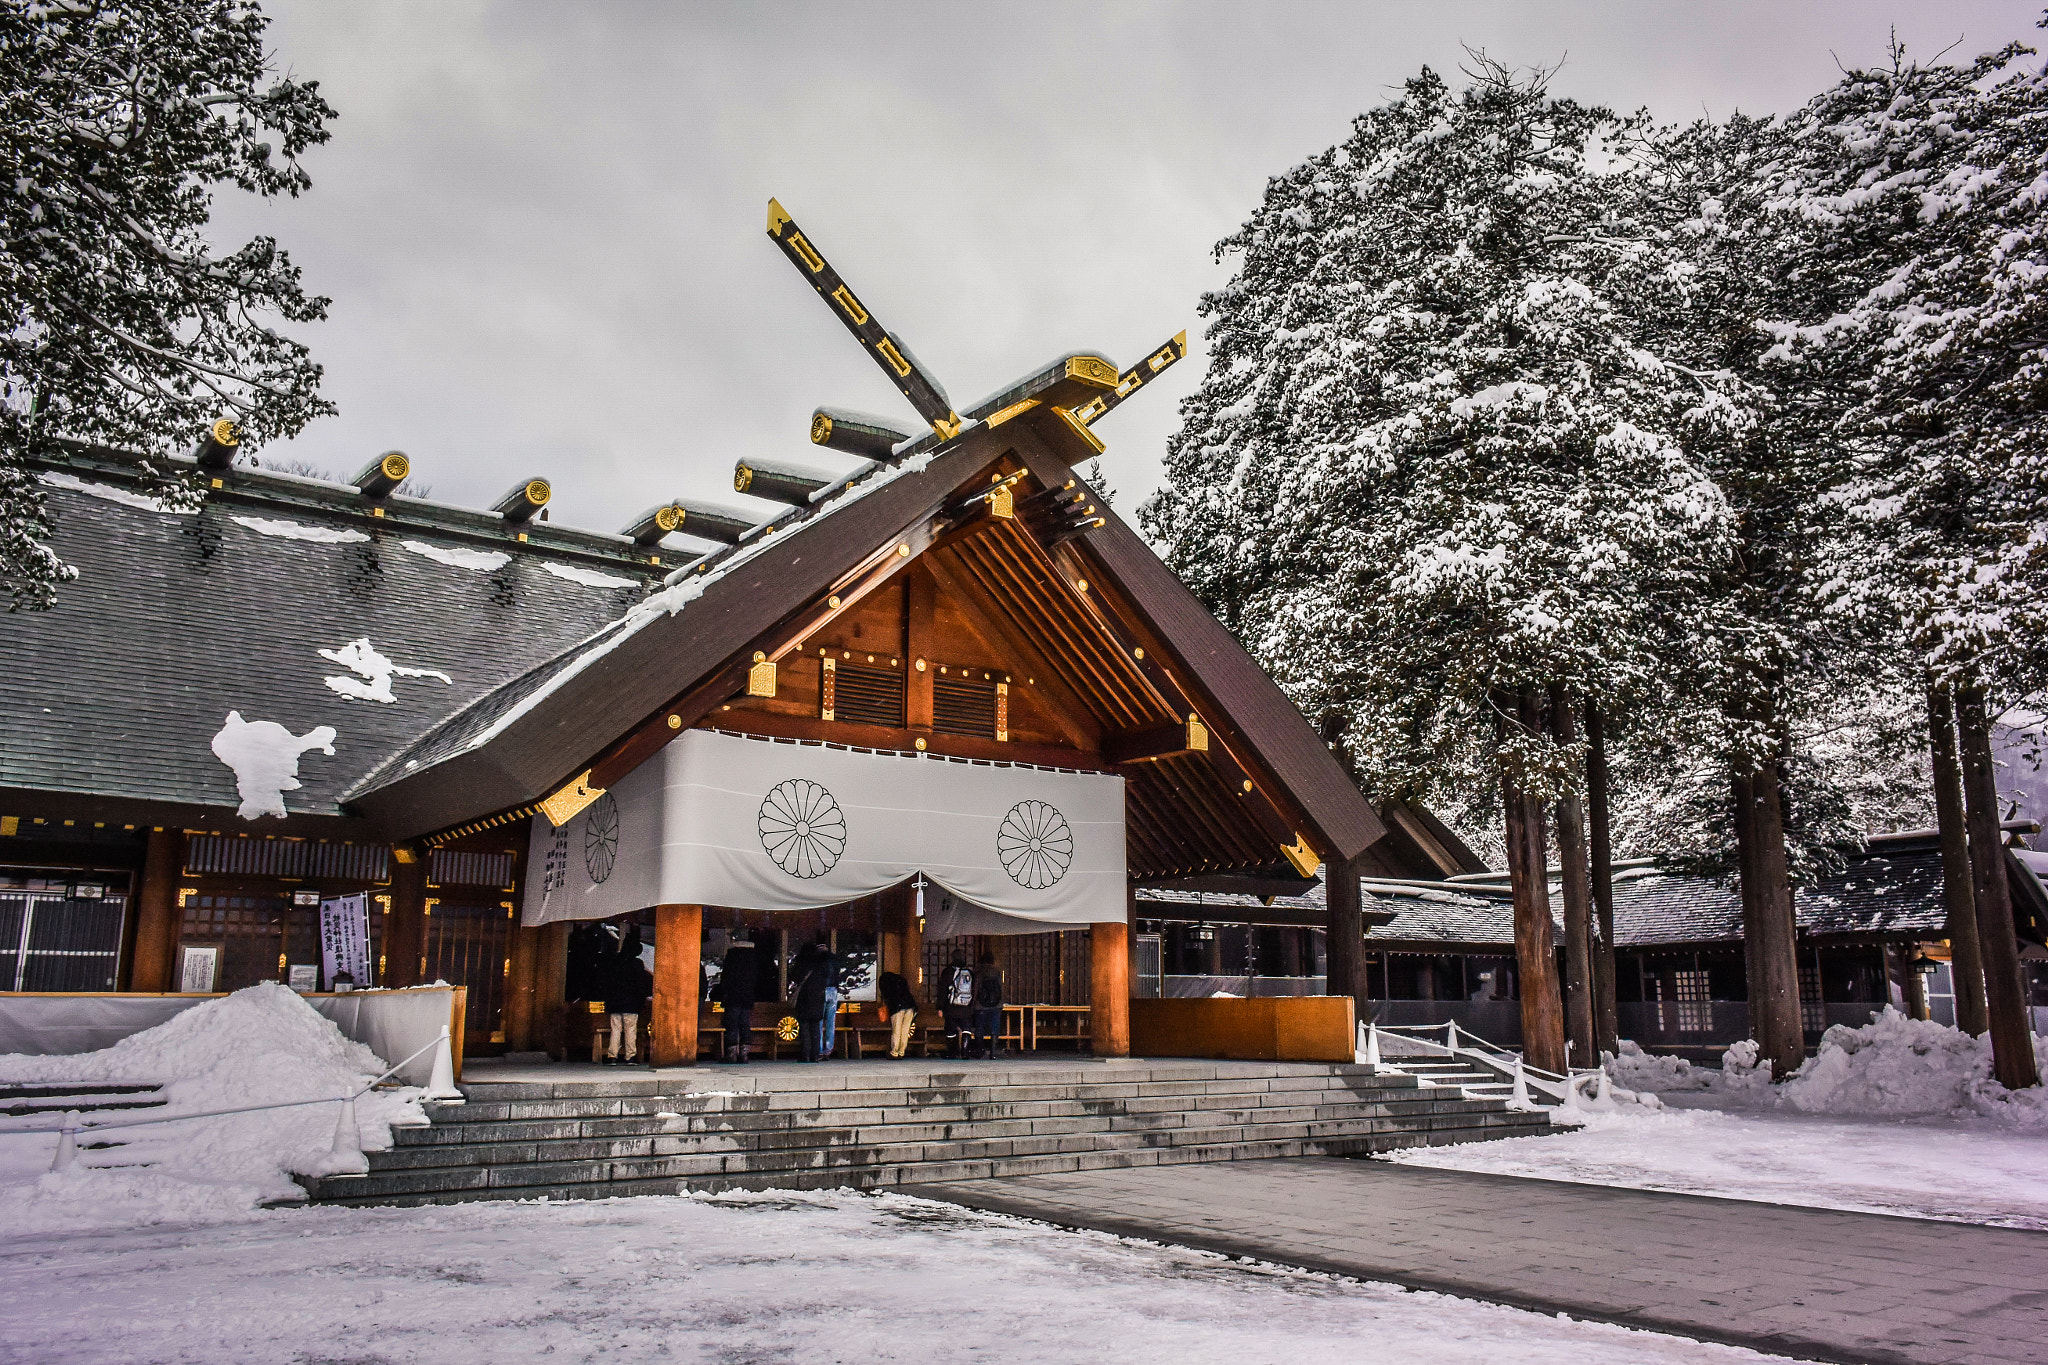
1812, 1283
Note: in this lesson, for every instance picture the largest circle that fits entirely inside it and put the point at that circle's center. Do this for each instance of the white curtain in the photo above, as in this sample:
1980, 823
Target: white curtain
758, 824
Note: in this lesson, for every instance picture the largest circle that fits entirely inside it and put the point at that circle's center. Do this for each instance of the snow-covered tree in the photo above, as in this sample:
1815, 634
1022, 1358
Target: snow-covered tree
1924, 190
1432, 474
123, 325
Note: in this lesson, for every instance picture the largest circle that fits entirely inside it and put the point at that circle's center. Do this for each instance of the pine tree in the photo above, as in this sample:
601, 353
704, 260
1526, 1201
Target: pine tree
1924, 188
125, 328
1430, 474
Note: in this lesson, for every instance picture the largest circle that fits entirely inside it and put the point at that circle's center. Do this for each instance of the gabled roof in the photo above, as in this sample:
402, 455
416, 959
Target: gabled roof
526, 739
176, 619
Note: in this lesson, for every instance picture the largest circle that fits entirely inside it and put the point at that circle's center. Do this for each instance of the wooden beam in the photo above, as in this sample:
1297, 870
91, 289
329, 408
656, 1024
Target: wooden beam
920, 609
1135, 746
905, 739
1109, 989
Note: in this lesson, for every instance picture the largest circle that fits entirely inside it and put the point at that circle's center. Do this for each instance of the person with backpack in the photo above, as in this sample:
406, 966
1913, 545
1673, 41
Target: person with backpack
901, 1004
956, 1003
735, 995
988, 1007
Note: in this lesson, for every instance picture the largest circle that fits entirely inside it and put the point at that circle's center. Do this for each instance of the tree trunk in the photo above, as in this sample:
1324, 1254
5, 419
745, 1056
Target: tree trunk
1606, 1019
1770, 934
1535, 953
2012, 1037
1958, 885
1578, 896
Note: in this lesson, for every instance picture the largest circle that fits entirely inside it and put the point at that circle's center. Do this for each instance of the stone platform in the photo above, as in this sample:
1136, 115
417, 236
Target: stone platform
570, 1131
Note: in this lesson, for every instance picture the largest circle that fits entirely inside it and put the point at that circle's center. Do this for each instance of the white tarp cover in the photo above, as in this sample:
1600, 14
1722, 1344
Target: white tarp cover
754, 824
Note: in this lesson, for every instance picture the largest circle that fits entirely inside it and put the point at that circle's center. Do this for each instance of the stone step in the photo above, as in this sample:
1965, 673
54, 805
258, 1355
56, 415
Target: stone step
489, 1144
536, 1182
22, 1101
562, 1167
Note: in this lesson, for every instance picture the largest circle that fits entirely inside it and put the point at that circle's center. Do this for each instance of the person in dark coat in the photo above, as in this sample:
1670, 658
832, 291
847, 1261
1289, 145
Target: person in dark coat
810, 976
626, 984
735, 994
988, 1006
898, 999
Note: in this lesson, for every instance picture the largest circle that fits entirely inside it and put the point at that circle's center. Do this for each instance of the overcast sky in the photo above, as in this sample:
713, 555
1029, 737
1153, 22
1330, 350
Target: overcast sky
542, 224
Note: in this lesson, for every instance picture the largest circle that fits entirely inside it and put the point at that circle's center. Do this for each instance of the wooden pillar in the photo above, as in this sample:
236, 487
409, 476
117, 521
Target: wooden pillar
678, 939
405, 937
1344, 948
155, 964
551, 979
1109, 989
920, 604
521, 1002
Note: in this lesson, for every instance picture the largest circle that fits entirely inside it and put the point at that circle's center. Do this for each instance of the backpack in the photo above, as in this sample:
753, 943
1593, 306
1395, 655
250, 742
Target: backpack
960, 986
988, 991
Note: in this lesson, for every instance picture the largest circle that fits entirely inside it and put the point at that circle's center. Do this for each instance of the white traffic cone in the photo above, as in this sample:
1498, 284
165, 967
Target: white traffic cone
1571, 1094
1451, 1036
345, 1157
1521, 1096
67, 1142
1372, 1044
441, 1085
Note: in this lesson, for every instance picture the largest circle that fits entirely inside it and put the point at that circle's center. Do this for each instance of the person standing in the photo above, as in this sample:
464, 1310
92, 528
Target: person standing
626, 983
956, 1003
988, 1007
808, 975
832, 967
897, 998
735, 993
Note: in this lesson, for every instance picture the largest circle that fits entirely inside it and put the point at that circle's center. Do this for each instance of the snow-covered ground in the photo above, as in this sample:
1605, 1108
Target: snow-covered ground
1897, 1117
802, 1277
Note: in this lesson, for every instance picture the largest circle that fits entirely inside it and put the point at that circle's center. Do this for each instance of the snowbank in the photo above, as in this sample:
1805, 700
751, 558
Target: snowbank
1892, 1066
262, 1045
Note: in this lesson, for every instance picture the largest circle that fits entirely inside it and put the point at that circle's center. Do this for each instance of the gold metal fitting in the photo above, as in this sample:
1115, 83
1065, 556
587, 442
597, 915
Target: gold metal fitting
669, 518
563, 806
395, 466
742, 477
675, 722
833, 601
226, 432
920, 745
538, 492
1092, 370
821, 429
903, 551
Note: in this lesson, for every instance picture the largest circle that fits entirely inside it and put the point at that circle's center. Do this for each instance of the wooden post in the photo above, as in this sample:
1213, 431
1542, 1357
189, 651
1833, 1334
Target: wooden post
1958, 888
1578, 895
920, 605
1770, 934
520, 1002
1344, 948
2012, 1034
405, 937
551, 978
1109, 989
1606, 1017
155, 963
1528, 878
678, 941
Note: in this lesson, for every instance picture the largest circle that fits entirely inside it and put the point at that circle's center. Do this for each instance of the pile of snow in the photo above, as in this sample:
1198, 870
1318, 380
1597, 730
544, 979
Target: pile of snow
262, 1045
1893, 1066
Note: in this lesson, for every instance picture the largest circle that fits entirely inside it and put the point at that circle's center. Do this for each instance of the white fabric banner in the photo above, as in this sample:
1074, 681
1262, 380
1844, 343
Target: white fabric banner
757, 824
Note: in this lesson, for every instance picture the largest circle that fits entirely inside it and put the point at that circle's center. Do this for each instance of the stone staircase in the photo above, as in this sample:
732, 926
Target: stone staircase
1476, 1081
903, 1123
37, 1105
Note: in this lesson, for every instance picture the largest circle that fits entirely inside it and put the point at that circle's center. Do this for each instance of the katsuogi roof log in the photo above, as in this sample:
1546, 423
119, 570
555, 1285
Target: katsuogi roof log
523, 501
706, 522
858, 433
788, 483
650, 526
383, 474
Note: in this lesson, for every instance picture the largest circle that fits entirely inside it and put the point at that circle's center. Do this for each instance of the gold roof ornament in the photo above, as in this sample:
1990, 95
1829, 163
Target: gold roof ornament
566, 804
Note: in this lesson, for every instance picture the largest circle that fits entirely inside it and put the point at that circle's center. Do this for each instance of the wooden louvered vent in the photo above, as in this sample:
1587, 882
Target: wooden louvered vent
964, 706
868, 696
